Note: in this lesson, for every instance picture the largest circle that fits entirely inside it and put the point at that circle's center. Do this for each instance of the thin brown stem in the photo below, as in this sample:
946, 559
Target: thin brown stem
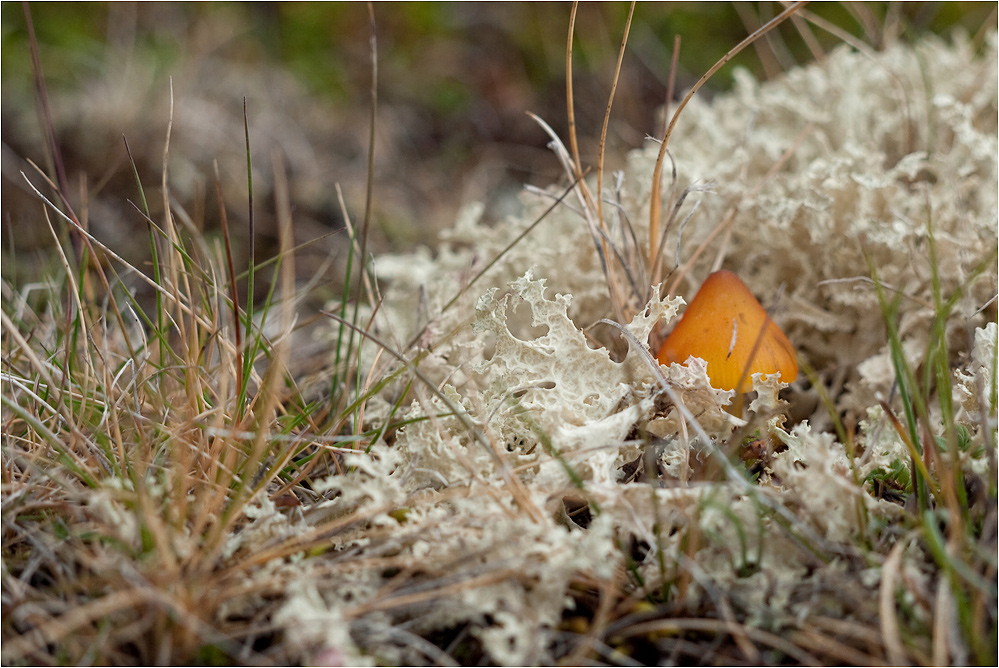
603, 130
233, 289
570, 104
655, 207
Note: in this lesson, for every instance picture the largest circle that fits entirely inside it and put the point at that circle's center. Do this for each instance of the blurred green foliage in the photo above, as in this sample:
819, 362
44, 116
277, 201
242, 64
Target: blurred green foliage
321, 42
454, 79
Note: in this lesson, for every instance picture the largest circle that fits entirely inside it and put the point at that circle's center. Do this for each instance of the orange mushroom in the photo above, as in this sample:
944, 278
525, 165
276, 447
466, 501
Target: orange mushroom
721, 326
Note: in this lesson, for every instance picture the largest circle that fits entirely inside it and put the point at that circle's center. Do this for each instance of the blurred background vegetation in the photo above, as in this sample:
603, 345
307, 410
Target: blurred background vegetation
454, 82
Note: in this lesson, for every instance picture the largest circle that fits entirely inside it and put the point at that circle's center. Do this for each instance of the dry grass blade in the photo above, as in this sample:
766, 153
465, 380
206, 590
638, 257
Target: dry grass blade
233, 287
889, 620
801, 25
54, 153
595, 226
369, 190
772, 65
835, 651
577, 168
674, 626
403, 600
943, 618
607, 114
592, 206
52, 632
656, 201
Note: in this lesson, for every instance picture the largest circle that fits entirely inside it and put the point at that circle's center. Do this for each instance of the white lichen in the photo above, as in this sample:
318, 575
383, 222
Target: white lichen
524, 414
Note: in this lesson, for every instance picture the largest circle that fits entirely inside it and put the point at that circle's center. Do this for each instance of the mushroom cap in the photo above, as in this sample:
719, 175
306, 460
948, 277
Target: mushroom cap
721, 326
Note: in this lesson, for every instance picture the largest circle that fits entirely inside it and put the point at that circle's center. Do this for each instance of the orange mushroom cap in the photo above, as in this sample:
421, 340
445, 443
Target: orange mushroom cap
721, 326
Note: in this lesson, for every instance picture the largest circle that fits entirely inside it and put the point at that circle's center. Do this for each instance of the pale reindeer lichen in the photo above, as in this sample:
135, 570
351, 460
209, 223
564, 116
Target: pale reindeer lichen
892, 147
